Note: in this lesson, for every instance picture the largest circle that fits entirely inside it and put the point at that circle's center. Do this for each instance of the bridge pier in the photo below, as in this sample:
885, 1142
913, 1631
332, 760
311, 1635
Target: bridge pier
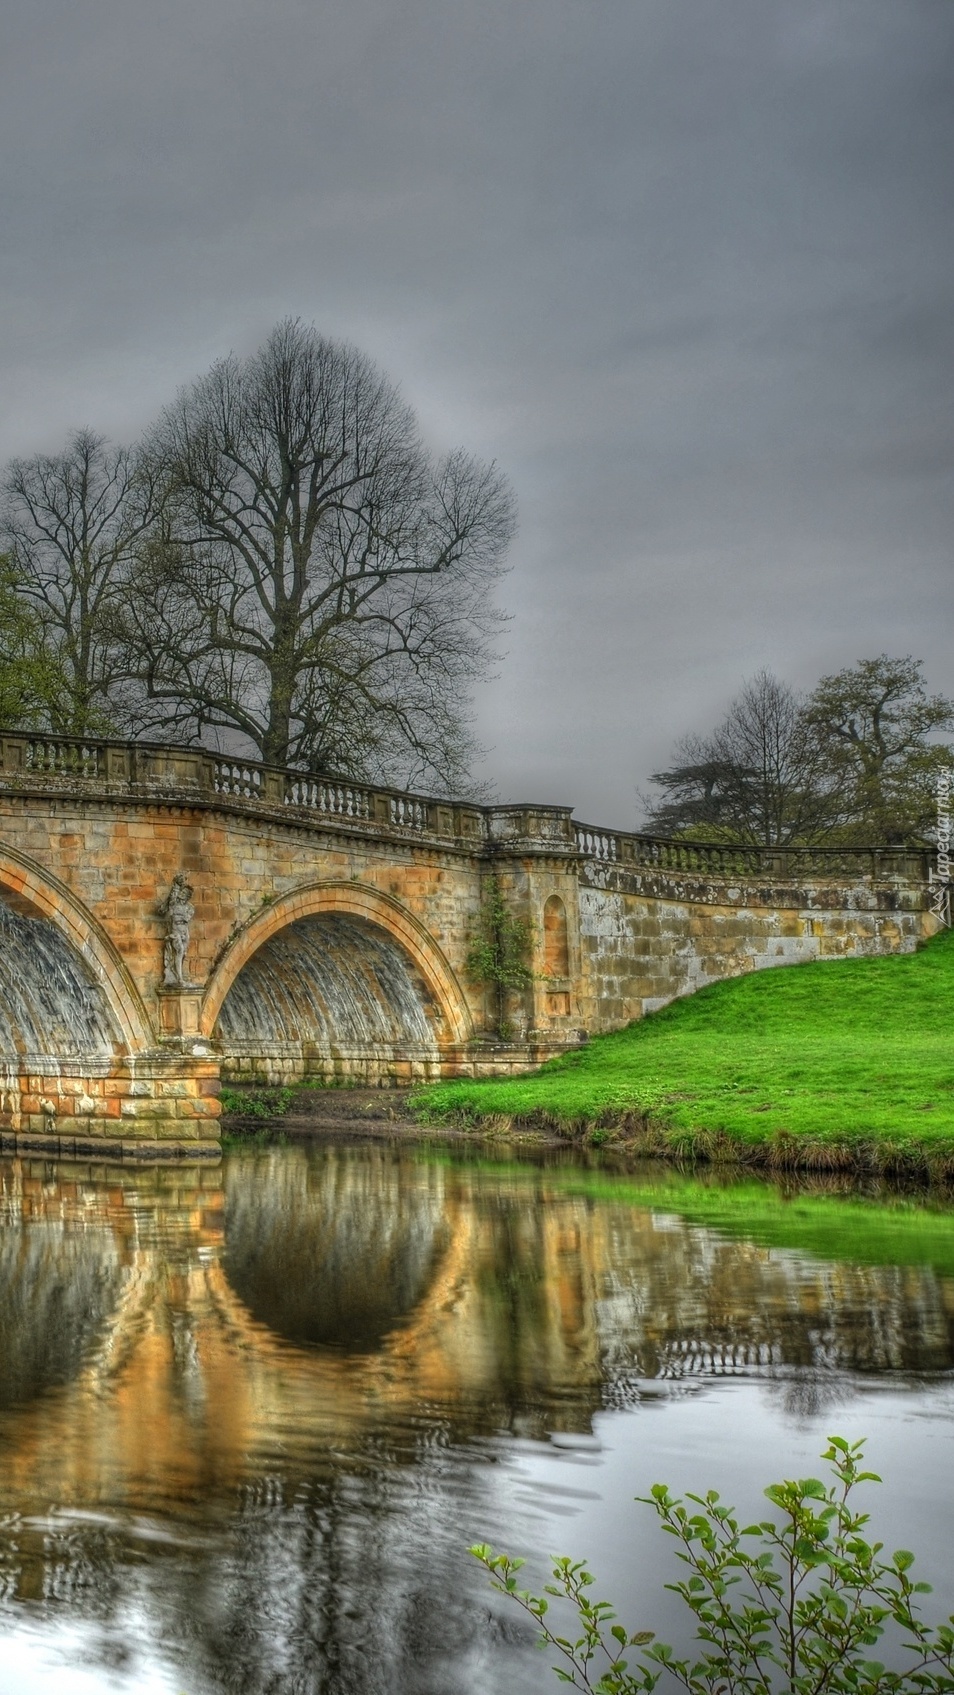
155, 1106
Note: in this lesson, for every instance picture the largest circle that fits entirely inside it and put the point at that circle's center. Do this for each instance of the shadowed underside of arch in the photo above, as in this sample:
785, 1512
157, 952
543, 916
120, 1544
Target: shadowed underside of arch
80, 1065
50, 1004
65, 992
334, 979
330, 993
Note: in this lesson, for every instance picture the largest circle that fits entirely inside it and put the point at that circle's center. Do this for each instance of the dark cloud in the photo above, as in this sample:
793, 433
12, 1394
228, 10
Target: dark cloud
683, 268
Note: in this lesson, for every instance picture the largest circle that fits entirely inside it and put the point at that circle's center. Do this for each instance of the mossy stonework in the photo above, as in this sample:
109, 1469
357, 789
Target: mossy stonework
171, 918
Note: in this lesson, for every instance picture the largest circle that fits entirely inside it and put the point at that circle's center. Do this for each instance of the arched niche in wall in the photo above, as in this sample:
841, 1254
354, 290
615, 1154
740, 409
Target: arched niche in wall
556, 949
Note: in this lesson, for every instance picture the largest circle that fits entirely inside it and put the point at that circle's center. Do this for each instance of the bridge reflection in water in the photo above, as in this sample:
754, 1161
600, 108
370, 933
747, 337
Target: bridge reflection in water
249, 1389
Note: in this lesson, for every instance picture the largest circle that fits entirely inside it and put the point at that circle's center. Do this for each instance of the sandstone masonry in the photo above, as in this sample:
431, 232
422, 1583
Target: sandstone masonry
386, 891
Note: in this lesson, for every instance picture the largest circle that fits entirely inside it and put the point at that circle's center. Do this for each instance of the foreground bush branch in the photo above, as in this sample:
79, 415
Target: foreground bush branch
792, 1603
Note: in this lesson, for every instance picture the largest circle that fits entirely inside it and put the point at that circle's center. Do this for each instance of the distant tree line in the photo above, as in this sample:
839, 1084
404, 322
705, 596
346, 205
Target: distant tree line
855, 761
279, 569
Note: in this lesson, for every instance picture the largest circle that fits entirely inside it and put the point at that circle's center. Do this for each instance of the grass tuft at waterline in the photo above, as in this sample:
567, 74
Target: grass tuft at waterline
836, 1064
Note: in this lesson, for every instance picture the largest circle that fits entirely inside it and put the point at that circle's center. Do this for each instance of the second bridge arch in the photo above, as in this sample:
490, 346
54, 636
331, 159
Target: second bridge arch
334, 981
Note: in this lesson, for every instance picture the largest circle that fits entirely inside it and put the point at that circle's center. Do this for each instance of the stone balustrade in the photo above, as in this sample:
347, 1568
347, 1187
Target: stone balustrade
145, 770
51, 763
722, 862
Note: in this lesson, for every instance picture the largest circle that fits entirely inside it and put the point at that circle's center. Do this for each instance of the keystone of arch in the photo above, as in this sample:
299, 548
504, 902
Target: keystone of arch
356, 900
36, 893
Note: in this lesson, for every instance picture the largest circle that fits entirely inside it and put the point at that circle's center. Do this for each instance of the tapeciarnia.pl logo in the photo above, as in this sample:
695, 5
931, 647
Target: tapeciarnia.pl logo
940, 875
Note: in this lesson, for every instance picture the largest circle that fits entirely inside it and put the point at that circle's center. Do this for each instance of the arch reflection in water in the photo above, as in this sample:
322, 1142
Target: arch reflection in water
508, 1294
79, 1248
335, 1254
297, 1434
58, 1294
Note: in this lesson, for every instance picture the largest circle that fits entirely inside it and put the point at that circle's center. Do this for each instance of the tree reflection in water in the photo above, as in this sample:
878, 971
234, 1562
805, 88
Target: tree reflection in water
250, 1392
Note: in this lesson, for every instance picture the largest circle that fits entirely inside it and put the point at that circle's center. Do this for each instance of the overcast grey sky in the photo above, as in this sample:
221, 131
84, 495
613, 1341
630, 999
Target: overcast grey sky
682, 267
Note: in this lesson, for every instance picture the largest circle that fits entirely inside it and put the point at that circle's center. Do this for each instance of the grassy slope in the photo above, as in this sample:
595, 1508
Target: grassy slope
835, 1052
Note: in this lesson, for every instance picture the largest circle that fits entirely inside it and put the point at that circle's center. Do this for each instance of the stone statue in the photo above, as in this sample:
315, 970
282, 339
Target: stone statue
178, 911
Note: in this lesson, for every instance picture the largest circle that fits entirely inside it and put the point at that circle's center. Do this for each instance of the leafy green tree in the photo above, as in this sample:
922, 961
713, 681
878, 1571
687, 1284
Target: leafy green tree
873, 723
854, 762
499, 956
33, 693
795, 1603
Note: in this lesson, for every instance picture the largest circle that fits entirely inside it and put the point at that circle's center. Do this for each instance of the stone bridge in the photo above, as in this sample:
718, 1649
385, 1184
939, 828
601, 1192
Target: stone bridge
323, 930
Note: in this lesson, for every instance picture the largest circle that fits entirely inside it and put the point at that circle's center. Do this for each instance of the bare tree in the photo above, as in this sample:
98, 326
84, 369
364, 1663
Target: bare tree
761, 777
74, 524
318, 592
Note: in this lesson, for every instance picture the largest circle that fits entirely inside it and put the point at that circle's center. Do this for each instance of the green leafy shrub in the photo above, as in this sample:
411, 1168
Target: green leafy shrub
793, 1604
263, 1103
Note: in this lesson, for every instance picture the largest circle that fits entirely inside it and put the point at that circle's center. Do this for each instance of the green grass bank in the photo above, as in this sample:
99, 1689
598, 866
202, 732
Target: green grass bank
838, 1064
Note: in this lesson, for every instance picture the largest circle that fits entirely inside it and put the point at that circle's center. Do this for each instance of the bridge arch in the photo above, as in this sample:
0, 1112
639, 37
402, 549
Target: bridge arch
30, 894
313, 924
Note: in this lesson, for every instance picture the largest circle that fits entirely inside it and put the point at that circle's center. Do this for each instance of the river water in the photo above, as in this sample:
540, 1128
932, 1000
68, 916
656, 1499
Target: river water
252, 1414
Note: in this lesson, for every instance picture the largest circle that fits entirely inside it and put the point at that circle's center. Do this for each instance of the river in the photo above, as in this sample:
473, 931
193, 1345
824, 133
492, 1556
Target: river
253, 1413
